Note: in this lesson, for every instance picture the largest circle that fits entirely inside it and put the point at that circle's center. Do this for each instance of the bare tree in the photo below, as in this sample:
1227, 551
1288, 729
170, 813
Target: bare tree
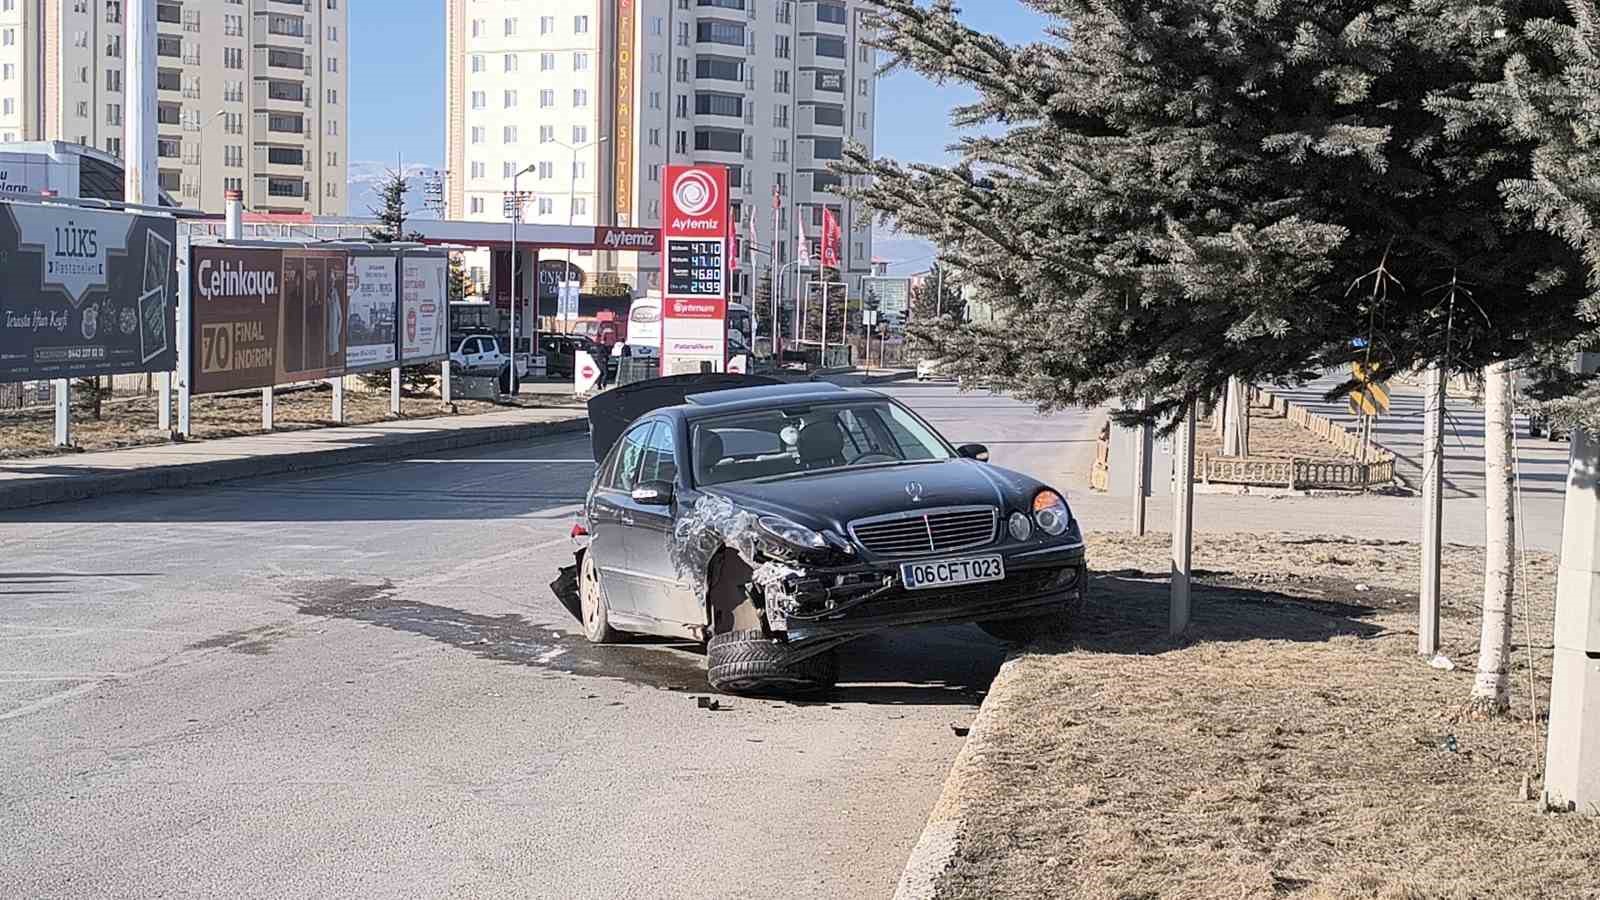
1491, 691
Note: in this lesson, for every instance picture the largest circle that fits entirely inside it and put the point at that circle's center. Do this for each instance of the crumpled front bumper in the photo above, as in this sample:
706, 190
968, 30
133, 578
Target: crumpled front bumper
862, 598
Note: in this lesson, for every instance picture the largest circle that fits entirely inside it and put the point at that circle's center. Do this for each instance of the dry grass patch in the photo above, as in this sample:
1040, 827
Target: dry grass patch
1292, 745
130, 420
1271, 437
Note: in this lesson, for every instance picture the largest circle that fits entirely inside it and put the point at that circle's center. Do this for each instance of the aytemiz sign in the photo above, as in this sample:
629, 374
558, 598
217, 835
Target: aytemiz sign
695, 231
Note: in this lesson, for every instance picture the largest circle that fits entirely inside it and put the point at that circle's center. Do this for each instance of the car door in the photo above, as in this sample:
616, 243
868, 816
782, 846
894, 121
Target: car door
663, 593
611, 517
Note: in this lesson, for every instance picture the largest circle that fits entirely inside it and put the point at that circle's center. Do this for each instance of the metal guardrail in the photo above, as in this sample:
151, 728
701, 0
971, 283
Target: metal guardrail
1369, 466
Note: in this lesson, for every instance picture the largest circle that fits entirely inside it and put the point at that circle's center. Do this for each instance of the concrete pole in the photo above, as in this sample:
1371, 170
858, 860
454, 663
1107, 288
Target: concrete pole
516, 214
444, 383
140, 183
1182, 522
63, 412
338, 399
1432, 511
822, 361
1572, 757
394, 390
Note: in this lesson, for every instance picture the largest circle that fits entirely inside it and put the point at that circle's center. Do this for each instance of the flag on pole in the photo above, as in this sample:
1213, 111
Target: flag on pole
803, 248
831, 236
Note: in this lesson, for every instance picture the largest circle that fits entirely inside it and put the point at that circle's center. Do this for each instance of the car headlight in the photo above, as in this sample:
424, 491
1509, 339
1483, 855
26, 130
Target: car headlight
792, 533
1021, 526
1051, 512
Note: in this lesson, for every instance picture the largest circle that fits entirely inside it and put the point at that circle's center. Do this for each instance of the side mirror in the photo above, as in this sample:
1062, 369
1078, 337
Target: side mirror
653, 493
973, 451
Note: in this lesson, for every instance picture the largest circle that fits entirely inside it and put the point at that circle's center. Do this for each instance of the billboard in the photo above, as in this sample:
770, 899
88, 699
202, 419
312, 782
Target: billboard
265, 316
424, 307
695, 228
85, 292
370, 336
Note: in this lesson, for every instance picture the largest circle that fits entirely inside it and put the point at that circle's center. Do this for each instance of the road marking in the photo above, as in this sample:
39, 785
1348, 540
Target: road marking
586, 462
477, 565
51, 700
546, 657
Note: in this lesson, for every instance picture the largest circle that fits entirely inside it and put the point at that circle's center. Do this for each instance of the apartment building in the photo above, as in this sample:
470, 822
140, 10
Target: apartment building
598, 96
251, 94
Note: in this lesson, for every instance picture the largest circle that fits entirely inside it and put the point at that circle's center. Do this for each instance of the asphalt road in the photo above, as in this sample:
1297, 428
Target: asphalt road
356, 683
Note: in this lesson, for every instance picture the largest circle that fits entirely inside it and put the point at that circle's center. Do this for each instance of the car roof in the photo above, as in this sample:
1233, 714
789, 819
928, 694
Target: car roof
738, 400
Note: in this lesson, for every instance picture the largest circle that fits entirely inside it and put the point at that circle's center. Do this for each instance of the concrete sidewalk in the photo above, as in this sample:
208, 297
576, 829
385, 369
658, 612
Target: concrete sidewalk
75, 477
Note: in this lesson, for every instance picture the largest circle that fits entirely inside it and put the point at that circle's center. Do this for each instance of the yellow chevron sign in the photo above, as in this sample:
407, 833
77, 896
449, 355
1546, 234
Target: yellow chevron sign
1372, 398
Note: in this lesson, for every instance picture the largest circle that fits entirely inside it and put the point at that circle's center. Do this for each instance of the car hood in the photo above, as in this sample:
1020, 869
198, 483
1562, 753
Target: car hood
831, 500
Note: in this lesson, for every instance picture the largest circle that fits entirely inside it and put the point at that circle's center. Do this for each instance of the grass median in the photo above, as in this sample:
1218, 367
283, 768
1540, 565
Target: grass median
1293, 744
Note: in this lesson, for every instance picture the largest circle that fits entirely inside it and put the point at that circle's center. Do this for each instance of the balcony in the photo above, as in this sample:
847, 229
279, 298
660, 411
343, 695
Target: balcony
281, 160
282, 62
279, 94
276, 30
826, 18
279, 188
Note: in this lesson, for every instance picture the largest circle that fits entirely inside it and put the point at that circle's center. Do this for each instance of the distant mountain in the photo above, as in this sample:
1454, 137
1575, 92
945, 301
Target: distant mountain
367, 178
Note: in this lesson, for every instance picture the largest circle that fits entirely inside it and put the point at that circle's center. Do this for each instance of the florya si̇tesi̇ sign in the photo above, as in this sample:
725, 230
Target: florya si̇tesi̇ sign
266, 315
85, 292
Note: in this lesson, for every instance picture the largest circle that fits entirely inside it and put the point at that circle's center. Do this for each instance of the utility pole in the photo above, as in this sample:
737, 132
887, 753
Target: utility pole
1432, 511
1572, 758
1141, 476
1182, 522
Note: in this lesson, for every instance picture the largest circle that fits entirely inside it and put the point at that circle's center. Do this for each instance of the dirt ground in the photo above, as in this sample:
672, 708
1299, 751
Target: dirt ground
1292, 745
130, 420
1271, 437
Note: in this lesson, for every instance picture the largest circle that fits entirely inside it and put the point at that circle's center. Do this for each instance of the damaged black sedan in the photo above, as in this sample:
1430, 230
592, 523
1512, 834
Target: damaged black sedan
778, 522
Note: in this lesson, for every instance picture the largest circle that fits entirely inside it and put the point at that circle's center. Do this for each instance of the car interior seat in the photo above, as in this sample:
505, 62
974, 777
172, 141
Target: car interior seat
710, 449
821, 445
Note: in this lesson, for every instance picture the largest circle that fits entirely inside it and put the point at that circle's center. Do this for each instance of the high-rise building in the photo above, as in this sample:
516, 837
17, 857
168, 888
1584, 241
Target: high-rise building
251, 93
593, 98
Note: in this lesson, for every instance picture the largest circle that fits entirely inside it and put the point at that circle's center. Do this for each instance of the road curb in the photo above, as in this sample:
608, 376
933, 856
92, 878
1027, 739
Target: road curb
885, 379
941, 837
82, 487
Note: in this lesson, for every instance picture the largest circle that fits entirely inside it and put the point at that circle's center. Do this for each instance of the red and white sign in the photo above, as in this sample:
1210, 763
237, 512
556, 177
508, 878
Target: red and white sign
585, 372
696, 234
832, 237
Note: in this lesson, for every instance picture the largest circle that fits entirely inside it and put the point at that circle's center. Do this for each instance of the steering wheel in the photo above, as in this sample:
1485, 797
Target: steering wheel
875, 456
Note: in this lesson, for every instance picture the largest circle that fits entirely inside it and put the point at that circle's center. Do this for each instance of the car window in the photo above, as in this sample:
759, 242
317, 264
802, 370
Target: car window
779, 442
623, 472
661, 460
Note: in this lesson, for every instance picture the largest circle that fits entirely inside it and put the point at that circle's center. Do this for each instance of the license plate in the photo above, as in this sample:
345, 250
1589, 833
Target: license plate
920, 576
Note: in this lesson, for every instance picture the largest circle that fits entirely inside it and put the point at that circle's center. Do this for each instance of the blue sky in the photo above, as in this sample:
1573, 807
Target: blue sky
397, 83
396, 89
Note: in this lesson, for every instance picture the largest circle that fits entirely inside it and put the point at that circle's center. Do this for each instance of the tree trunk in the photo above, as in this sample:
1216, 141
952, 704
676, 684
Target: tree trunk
1491, 690
1236, 421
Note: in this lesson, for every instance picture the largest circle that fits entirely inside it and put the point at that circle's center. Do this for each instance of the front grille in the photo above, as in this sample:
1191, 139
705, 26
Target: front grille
933, 531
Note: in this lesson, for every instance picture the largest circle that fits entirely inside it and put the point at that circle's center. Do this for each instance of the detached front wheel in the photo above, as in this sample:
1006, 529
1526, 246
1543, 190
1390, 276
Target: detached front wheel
749, 662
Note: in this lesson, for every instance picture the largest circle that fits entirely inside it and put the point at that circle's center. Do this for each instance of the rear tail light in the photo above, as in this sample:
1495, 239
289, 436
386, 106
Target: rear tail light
579, 531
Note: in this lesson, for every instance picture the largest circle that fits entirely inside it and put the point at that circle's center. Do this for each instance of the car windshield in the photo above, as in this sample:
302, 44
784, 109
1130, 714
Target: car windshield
773, 443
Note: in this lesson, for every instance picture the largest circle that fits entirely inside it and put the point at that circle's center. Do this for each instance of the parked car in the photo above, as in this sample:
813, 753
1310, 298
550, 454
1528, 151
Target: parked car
930, 368
561, 352
779, 522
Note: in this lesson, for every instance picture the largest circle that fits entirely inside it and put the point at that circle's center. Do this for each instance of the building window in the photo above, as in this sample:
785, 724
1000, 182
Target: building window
655, 172
8, 106
511, 27
580, 206
479, 99
477, 27
580, 135
508, 169
547, 24
580, 62
655, 64
478, 170
333, 158
476, 205
477, 134
547, 170
546, 206
655, 99
580, 171
114, 80
477, 62
510, 99
781, 46
580, 24
333, 97
508, 135
580, 97
547, 134
510, 62
832, 13
547, 98
333, 64
333, 128
655, 137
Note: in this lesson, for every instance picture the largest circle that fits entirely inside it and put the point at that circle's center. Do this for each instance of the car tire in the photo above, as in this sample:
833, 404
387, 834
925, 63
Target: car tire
749, 662
596, 615
1028, 628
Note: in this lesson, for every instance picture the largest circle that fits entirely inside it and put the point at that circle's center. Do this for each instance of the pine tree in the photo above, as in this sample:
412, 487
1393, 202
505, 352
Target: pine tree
1186, 191
391, 229
456, 287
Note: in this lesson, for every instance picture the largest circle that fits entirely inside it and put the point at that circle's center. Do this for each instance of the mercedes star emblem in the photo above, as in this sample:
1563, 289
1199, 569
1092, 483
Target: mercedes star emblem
914, 491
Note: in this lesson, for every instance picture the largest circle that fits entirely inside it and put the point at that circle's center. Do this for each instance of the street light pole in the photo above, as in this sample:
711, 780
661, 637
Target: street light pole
516, 215
200, 174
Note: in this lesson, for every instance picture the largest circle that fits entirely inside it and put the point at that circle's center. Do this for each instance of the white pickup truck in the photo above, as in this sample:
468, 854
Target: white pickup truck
479, 352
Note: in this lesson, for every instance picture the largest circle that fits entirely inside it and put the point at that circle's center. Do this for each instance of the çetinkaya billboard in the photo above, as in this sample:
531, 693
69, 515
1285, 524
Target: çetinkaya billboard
264, 316
84, 292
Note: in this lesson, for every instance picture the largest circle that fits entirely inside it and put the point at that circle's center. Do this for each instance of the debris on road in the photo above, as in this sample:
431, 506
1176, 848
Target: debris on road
711, 703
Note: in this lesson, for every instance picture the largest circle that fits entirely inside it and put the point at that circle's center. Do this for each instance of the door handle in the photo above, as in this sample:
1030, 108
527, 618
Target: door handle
626, 519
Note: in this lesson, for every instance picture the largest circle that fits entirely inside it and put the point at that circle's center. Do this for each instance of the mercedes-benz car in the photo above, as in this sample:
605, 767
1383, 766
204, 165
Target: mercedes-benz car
778, 522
